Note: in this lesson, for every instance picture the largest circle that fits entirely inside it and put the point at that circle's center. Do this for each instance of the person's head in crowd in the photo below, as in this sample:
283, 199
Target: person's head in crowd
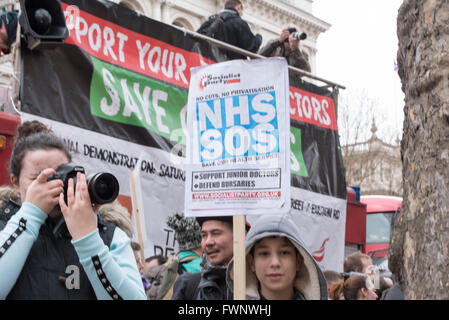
359, 287
336, 291
275, 261
188, 231
279, 267
217, 239
36, 155
136, 250
154, 261
331, 278
359, 262
236, 4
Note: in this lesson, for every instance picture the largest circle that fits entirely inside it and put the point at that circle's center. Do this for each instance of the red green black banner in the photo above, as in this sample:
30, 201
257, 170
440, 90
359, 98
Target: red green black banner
127, 76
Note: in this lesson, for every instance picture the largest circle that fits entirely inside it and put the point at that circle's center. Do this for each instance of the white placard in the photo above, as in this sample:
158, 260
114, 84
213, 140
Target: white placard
238, 145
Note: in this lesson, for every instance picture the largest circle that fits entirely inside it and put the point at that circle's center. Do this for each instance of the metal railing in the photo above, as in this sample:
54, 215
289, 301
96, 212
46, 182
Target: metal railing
241, 51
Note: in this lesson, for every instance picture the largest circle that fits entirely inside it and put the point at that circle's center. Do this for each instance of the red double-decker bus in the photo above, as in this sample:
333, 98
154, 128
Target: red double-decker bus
369, 223
381, 212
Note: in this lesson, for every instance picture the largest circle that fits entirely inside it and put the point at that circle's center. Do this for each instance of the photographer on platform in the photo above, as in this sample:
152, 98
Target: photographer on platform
58, 252
287, 45
236, 30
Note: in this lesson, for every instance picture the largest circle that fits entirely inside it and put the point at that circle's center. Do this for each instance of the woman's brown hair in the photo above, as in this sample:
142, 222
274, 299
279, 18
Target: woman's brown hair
33, 135
353, 285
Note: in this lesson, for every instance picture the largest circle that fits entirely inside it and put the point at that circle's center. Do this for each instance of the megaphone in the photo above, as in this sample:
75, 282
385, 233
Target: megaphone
43, 23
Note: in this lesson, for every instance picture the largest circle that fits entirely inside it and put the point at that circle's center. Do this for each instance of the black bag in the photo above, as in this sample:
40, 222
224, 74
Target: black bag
163, 277
214, 27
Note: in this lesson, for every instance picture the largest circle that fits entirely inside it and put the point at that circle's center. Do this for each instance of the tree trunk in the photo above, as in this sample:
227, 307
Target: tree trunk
419, 248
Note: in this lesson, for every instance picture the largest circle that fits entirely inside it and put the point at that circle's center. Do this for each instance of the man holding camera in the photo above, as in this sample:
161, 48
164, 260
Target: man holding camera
287, 45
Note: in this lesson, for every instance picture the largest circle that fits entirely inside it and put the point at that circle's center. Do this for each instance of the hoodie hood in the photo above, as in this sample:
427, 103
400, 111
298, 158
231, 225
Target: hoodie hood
309, 281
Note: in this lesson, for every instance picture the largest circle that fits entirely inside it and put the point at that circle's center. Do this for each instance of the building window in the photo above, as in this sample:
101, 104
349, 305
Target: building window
183, 23
133, 5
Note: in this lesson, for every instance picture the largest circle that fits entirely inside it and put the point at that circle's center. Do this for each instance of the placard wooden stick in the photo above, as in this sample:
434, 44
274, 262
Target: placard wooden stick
136, 213
239, 257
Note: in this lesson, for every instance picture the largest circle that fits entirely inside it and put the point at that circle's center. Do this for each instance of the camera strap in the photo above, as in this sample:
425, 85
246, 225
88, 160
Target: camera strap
58, 227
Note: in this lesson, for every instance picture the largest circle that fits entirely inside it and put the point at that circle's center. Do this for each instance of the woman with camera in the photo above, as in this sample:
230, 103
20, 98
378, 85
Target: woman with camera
53, 249
287, 45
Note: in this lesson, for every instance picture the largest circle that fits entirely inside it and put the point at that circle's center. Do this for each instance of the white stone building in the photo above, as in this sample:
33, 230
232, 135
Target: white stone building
374, 165
266, 17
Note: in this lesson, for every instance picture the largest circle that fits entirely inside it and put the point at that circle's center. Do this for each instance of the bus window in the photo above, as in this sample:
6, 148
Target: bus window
378, 227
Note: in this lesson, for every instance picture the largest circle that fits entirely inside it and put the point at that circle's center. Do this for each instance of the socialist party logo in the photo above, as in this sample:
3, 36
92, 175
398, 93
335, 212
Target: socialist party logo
208, 79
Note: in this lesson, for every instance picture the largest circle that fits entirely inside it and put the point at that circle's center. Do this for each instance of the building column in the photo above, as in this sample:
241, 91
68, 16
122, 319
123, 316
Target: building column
157, 10
166, 10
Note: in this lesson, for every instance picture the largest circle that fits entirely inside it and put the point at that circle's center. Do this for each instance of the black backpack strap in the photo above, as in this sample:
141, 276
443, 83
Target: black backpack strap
206, 24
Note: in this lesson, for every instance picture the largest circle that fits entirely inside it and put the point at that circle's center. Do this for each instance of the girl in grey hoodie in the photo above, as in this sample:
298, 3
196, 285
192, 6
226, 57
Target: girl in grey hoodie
278, 266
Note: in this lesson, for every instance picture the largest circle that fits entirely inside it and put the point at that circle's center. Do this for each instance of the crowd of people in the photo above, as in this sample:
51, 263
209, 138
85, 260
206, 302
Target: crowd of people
359, 281
278, 266
47, 226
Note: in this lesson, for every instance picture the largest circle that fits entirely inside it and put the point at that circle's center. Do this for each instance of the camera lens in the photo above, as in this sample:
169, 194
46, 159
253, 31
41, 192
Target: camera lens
42, 21
103, 188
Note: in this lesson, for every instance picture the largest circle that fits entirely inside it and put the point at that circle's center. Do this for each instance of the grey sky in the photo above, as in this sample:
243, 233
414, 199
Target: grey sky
359, 52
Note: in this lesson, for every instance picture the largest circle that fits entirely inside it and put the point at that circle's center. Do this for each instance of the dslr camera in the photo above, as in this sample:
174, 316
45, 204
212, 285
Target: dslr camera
103, 187
295, 33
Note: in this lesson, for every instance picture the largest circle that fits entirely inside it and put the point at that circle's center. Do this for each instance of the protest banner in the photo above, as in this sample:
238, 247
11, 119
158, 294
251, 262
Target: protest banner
238, 146
119, 86
239, 139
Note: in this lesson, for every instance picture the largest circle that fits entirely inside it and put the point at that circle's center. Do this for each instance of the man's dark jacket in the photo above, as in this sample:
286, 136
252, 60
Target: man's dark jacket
209, 284
239, 34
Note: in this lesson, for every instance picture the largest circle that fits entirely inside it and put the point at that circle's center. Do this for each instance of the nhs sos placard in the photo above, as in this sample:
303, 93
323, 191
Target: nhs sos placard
238, 125
238, 136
